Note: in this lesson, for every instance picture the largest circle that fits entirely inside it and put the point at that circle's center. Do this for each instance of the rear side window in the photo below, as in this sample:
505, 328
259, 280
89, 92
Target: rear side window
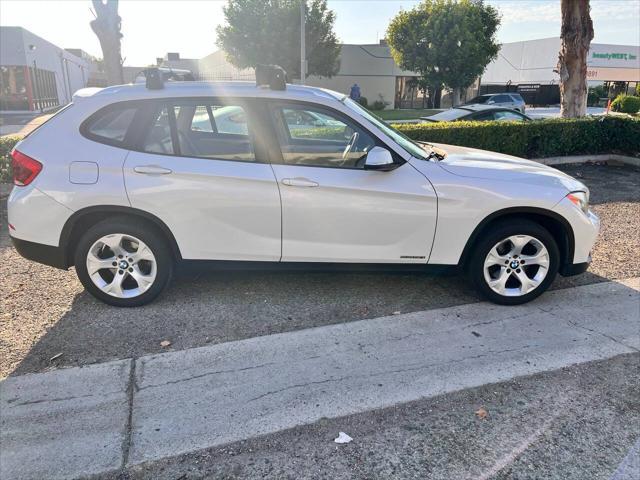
517, 97
111, 124
502, 99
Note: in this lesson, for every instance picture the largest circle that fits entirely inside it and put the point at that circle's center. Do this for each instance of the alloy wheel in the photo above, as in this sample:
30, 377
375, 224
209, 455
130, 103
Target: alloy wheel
121, 265
516, 265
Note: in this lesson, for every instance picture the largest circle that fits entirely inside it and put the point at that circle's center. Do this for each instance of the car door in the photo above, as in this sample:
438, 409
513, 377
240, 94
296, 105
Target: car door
210, 184
333, 209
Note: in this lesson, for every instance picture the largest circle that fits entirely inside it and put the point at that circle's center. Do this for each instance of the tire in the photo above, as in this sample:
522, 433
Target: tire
136, 276
487, 274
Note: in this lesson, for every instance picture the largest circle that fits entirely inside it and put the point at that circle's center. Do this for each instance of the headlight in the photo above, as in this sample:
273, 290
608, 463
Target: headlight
580, 200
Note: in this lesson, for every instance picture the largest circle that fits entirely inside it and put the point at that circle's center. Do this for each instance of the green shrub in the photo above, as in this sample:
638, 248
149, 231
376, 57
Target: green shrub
626, 104
379, 104
363, 101
6, 144
536, 139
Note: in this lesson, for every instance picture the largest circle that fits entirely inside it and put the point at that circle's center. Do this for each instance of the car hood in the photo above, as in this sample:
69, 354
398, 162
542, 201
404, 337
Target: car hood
474, 163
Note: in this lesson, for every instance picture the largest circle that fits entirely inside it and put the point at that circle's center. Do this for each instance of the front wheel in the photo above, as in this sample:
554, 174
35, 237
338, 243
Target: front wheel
122, 263
514, 262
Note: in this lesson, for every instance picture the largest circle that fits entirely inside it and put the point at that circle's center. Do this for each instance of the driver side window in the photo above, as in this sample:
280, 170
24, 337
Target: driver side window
318, 137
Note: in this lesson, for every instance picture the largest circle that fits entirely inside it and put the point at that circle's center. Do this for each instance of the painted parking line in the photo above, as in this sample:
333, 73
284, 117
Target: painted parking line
84, 420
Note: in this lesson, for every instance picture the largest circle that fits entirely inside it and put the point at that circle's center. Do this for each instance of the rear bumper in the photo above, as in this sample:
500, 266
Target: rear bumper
38, 252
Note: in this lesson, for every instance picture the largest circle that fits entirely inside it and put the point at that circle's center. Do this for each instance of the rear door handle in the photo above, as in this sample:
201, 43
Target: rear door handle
299, 182
151, 170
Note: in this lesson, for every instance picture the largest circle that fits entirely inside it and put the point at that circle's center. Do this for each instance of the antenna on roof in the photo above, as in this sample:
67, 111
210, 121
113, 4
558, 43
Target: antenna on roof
271, 76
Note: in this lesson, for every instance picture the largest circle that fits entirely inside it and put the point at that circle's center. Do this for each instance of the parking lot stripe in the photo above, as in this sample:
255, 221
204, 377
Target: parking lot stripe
64, 423
198, 398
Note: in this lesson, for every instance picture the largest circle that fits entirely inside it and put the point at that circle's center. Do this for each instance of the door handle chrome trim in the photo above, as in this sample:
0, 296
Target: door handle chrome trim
152, 170
299, 182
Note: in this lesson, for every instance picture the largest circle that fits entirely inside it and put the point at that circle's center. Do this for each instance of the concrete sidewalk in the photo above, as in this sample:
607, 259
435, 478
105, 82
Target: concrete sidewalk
87, 420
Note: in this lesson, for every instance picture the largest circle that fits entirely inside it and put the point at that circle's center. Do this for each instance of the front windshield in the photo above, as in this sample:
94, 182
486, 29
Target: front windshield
401, 139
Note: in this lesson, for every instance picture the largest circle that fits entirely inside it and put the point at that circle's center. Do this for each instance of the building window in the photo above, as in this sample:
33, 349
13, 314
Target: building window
44, 90
14, 94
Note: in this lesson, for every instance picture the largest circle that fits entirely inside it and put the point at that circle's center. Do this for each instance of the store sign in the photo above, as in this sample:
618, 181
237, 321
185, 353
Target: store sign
614, 56
529, 87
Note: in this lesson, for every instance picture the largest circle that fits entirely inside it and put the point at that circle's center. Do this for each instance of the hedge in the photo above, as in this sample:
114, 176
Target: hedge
6, 144
536, 139
626, 104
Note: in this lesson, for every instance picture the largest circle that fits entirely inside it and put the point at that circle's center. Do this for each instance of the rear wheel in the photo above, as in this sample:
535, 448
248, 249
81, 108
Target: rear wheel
123, 263
514, 262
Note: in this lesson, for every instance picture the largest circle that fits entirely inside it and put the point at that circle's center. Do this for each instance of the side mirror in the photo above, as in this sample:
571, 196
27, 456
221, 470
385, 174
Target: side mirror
378, 158
491, 102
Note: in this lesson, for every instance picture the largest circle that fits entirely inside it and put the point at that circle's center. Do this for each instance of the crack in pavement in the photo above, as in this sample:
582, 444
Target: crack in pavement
386, 372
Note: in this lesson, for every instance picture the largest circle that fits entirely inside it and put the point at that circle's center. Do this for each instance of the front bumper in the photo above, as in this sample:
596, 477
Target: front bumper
38, 252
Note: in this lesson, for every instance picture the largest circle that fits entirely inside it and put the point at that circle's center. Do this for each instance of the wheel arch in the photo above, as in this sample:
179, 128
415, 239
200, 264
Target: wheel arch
556, 224
85, 218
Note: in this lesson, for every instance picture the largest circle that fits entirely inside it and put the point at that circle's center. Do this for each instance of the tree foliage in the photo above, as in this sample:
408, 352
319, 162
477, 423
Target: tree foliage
448, 42
268, 32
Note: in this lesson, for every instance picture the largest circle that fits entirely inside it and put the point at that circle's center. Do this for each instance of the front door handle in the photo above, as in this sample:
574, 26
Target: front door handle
151, 170
299, 182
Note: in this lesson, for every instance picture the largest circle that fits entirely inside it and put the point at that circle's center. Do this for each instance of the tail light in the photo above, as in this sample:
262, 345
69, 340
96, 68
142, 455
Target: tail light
25, 168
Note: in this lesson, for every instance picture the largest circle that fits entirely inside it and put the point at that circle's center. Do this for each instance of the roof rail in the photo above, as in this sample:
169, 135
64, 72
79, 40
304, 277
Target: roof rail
271, 76
156, 76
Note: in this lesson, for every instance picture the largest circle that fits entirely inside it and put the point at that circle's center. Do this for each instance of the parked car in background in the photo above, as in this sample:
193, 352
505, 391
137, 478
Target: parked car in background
508, 100
130, 181
478, 113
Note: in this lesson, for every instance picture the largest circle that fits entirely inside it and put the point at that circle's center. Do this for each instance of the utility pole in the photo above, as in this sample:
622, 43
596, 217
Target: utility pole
303, 49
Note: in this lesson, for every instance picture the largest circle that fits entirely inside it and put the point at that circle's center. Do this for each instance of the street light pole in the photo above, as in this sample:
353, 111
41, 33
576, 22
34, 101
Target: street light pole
303, 50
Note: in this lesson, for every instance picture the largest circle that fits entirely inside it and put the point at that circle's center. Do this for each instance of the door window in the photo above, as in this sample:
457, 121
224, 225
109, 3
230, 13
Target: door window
482, 117
159, 139
502, 99
317, 137
202, 130
508, 117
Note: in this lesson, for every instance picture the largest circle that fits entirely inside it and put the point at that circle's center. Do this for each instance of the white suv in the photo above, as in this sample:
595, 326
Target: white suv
130, 180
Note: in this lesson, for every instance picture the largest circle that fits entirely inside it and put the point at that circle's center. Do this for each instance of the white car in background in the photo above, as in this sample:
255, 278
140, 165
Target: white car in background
128, 181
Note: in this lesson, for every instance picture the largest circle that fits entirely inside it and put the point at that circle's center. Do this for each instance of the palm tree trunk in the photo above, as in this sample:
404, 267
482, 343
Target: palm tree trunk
107, 28
575, 35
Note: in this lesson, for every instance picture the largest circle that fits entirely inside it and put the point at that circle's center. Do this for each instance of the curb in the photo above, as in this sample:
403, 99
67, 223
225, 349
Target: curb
611, 157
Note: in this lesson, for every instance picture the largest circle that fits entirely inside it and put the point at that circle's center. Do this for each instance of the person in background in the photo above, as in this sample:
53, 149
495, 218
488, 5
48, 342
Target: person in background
355, 92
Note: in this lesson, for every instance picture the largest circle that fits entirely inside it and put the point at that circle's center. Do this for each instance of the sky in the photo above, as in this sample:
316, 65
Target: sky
153, 28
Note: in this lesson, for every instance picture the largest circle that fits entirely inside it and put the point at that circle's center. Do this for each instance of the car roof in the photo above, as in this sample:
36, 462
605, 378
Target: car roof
138, 91
476, 107
469, 109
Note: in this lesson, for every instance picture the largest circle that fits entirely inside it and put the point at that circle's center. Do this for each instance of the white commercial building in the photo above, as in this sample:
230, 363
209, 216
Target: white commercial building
530, 68
35, 74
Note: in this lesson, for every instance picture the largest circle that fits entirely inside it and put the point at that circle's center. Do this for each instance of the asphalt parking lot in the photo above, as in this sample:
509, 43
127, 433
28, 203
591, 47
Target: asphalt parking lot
577, 422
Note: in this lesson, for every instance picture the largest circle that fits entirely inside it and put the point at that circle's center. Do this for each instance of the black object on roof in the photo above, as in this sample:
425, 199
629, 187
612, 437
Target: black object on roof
272, 76
156, 76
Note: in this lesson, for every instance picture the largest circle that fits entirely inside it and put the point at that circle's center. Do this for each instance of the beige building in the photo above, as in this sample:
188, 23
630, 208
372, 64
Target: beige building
375, 71
370, 66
